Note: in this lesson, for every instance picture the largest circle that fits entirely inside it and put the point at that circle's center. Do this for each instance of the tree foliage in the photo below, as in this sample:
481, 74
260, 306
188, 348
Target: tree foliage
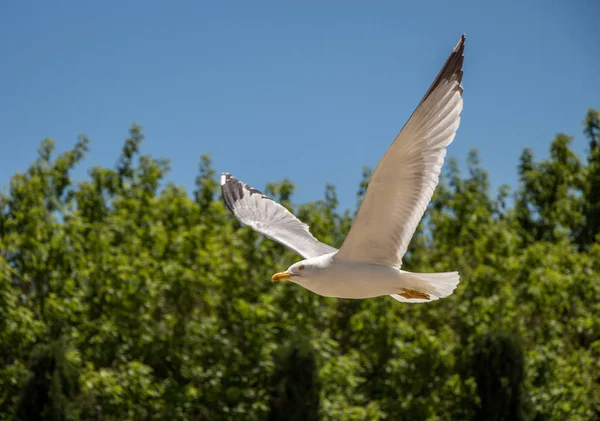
294, 387
123, 298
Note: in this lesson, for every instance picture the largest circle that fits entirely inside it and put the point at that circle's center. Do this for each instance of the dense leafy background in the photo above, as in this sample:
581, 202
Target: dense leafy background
123, 298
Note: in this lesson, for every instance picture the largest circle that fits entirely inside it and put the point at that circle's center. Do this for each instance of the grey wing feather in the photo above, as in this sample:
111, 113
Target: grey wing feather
404, 180
269, 218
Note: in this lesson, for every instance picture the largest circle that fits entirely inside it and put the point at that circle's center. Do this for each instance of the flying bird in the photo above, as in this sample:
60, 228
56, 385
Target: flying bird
368, 263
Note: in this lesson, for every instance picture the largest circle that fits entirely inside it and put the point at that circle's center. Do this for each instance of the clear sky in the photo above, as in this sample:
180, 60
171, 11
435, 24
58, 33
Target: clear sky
307, 90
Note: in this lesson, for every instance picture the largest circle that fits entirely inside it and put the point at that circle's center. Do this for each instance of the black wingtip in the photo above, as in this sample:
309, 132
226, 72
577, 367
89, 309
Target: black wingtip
460, 45
452, 68
233, 190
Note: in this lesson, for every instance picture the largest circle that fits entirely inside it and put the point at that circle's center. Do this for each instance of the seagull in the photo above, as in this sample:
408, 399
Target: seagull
369, 261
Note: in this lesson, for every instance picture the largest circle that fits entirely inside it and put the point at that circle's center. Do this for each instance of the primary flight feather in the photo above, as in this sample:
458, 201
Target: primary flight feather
368, 263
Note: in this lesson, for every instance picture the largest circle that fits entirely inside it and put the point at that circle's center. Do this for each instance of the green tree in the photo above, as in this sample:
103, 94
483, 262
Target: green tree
49, 390
549, 205
122, 297
499, 370
295, 390
591, 190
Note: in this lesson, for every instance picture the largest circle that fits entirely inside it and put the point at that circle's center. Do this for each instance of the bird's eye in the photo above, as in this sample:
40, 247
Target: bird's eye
301, 267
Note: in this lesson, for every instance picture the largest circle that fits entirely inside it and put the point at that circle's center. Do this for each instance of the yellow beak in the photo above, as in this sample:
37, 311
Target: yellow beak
281, 276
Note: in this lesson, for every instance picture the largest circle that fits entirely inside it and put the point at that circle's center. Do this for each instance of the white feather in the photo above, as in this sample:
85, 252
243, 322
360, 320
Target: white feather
269, 218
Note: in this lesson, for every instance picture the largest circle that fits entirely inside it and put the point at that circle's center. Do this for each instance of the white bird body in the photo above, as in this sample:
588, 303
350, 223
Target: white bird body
368, 263
330, 276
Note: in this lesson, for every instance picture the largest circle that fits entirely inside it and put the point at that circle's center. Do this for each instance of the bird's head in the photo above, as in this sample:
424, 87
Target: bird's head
304, 270
301, 269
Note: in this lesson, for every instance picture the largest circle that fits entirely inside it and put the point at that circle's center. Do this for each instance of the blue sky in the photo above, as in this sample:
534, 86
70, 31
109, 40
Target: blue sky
307, 90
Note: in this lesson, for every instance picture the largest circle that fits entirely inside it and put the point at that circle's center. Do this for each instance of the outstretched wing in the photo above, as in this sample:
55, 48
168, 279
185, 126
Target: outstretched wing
403, 182
269, 218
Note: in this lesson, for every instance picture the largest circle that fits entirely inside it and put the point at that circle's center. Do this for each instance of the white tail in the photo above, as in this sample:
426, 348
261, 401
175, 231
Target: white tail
425, 287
